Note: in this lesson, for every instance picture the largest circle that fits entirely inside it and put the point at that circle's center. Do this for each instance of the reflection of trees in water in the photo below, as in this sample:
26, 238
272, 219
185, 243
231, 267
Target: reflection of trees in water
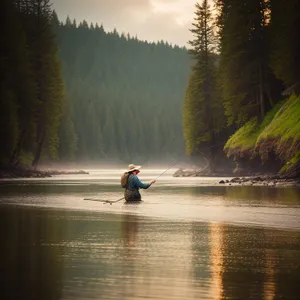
130, 255
266, 194
246, 263
257, 263
200, 254
156, 259
30, 264
130, 231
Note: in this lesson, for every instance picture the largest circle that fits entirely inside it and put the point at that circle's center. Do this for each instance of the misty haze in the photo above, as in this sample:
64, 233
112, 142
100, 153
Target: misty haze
150, 149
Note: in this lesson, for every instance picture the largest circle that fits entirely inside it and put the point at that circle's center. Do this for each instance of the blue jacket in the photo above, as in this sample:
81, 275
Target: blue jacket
135, 184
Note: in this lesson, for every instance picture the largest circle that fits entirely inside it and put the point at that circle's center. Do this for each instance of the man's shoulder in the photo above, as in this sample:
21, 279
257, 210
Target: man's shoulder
134, 178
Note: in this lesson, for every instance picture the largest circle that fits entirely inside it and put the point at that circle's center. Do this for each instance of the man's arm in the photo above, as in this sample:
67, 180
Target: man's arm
140, 184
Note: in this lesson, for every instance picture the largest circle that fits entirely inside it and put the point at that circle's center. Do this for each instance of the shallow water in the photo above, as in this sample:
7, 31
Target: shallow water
189, 239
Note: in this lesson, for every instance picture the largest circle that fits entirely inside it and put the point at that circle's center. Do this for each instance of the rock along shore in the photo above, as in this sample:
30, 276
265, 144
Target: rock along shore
273, 181
265, 180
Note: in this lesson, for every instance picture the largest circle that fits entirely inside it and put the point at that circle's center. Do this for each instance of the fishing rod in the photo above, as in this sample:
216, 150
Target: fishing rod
115, 201
166, 171
105, 201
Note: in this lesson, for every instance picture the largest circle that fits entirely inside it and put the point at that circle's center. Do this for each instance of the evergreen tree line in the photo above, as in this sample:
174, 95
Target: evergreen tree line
125, 94
77, 92
32, 90
245, 55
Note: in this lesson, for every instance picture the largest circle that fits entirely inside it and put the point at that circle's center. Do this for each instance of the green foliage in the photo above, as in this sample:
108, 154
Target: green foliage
68, 139
280, 130
50, 86
125, 95
247, 136
9, 129
202, 110
18, 97
295, 161
31, 83
285, 37
259, 47
25, 158
285, 124
195, 128
244, 74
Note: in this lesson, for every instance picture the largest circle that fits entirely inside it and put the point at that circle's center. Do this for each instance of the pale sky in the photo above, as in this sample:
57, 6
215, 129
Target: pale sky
153, 20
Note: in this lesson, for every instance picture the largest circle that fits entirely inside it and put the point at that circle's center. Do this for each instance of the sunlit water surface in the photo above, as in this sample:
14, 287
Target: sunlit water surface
190, 238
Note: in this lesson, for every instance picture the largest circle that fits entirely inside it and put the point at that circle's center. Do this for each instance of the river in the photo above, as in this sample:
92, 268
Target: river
190, 238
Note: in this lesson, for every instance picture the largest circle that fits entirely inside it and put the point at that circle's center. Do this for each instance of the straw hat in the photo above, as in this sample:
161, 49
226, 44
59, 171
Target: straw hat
133, 167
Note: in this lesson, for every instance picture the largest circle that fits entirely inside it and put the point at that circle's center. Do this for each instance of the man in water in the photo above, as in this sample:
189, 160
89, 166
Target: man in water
134, 184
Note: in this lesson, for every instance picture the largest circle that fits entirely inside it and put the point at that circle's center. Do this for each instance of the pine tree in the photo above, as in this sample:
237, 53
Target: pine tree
67, 135
285, 40
246, 78
200, 107
50, 86
18, 95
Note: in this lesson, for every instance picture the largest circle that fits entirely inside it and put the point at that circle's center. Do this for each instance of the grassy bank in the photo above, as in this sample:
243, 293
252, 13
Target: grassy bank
278, 134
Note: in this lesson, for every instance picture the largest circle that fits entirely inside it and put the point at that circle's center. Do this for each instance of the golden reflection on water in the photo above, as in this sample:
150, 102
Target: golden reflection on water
270, 285
196, 262
216, 240
78, 255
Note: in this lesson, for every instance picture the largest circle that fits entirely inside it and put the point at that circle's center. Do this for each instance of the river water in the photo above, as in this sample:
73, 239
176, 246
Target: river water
190, 238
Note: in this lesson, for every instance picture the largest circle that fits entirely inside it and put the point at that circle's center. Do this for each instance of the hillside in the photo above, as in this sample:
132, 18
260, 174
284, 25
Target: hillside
273, 145
125, 95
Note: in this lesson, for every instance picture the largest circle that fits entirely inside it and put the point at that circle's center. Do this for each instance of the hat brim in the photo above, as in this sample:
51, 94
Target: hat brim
136, 168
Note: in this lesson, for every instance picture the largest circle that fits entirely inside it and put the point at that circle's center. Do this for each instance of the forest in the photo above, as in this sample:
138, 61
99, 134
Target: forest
125, 94
77, 93
243, 91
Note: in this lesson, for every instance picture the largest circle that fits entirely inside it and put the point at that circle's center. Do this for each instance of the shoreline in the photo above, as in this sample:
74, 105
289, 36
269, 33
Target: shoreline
267, 181
226, 178
15, 173
245, 180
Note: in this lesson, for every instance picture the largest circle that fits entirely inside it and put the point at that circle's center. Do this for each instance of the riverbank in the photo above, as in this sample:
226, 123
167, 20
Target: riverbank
273, 181
9, 172
272, 145
249, 179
